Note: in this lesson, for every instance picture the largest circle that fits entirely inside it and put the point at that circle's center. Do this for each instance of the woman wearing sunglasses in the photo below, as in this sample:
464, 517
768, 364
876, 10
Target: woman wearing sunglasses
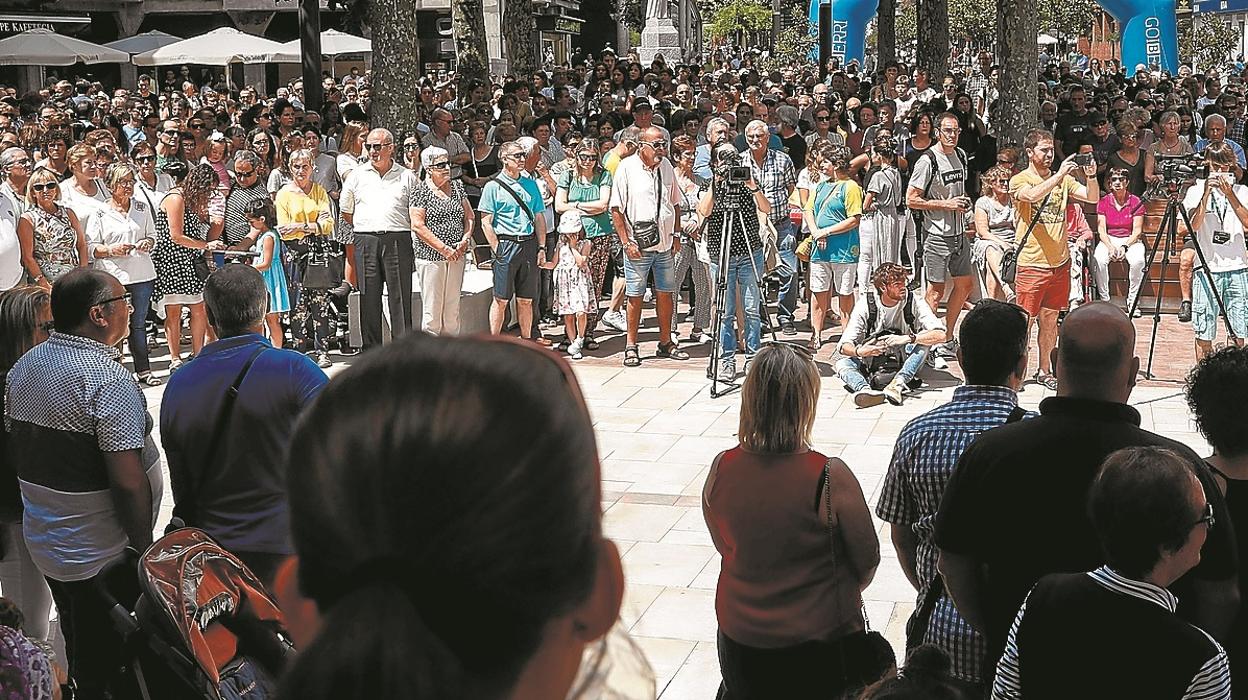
587, 191
151, 185
50, 235
995, 221
443, 222
261, 141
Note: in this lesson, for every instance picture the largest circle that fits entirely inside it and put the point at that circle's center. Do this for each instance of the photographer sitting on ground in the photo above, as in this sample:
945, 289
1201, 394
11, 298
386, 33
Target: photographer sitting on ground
887, 339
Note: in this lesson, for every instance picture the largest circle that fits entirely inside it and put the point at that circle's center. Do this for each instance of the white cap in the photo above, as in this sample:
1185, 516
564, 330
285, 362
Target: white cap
570, 222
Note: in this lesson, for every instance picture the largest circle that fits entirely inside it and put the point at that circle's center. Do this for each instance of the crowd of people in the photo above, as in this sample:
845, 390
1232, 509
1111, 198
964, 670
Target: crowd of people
254, 222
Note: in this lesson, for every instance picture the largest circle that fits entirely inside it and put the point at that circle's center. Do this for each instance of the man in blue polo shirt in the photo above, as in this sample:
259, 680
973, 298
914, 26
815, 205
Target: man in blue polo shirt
225, 457
511, 211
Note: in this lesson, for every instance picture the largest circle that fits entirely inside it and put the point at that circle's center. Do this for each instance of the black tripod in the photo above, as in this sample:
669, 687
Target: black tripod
1169, 230
733, 225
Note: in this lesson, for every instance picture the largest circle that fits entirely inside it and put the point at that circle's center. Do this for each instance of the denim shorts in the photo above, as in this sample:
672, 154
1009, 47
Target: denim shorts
637, 270
515, 269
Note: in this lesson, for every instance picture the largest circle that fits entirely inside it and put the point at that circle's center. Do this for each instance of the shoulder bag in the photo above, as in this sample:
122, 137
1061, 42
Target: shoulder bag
1009, 261
323, 265
519, 200
646, 233
866, 656
186, 504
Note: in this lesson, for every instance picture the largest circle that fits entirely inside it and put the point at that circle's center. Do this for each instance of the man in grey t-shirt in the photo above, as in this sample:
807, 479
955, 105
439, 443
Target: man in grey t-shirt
938, 190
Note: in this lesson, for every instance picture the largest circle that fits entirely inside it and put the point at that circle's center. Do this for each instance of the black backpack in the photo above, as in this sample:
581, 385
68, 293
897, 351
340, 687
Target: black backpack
883, 367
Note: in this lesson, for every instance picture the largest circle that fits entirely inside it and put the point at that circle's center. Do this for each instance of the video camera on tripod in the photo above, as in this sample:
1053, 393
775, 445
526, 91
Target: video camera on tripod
729, 168
1176, 171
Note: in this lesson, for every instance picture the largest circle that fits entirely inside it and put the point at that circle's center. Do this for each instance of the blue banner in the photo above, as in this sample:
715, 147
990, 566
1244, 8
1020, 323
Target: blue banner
848, 28
1149, 33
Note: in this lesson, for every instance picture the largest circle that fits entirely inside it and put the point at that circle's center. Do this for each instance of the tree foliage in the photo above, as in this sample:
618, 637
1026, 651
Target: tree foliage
1210, 42
796, 41
737, 18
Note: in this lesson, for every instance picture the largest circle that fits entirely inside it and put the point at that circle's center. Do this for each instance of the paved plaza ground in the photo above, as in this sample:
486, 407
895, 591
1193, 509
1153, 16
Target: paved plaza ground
658, 430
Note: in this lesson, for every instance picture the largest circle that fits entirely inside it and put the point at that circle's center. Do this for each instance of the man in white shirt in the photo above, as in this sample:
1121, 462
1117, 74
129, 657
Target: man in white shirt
11, 272
645, 197
376, 201
1219, 216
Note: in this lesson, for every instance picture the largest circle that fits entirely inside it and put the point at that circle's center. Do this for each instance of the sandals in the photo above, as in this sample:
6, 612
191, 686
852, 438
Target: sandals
632, 358
672, 351
1046, 380
150, 379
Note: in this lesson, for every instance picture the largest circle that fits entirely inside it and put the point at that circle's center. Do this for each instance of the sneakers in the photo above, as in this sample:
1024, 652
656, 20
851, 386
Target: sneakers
936, 361
866, 398
700, 337
947, 349
616, 320
895, 391
1185, 312
788, 328
575, 348
323, 361
727, 369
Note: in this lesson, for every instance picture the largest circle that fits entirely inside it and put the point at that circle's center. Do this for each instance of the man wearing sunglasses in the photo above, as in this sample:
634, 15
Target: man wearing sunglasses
168, 143
91, 475
247, 189
15, 169
513, 221
376, 200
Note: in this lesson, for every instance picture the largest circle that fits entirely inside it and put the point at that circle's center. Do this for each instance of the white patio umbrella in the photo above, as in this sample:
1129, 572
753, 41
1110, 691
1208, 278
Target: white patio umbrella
44, 47
140, 43
219, 47
1045, 40
334, 44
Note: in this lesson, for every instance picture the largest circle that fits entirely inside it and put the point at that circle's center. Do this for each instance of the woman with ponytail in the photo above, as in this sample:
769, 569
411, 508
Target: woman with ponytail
446, 514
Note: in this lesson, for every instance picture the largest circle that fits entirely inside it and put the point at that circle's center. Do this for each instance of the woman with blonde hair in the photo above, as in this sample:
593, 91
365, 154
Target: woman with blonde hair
83, 191
797, 542
50, 235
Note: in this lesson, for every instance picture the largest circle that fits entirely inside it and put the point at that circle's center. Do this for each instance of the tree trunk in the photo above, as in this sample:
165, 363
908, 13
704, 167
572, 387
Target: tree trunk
396, 63
472, 55
1018, 109
520, 37
933, 33
886, 33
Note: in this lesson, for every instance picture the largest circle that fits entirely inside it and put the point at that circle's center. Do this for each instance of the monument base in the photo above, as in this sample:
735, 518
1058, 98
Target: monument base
659, 37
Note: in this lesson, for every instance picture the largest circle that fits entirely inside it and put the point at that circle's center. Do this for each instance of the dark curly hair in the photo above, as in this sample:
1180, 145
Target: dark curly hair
1217, 393
198, 186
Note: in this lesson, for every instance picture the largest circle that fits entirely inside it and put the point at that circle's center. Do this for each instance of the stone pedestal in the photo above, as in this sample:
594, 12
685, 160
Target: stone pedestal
660, 37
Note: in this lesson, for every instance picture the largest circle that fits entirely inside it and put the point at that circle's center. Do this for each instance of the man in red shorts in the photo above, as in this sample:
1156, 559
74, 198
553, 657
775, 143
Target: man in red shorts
1043, 280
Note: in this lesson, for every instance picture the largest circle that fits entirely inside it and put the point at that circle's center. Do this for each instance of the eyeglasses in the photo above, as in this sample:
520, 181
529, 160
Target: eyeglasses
586, 157
1206, 517
198, 127
171, 132
443, 165
411, 147
264, 115
43, 186
656, 145
950, 132
823, 119
1118, 178
110, 300
378, 146
514, 156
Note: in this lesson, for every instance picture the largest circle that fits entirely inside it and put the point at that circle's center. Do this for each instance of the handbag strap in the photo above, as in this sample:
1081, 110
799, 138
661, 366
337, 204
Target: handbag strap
1035, 219
218, 432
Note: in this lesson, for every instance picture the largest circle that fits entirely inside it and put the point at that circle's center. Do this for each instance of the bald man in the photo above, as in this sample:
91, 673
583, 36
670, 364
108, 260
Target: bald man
1015, 507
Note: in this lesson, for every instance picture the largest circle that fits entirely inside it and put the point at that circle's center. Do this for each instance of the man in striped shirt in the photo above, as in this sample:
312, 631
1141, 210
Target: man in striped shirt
993, 357
1113, 632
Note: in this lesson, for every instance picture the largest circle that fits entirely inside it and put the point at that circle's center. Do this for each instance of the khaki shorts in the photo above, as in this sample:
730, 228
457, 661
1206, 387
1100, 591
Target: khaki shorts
838, 277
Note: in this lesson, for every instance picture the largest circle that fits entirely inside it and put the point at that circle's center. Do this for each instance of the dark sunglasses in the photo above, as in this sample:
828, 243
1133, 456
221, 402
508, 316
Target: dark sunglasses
411, 147
198, 127
443, 165
376, 146
43, 186
264, 115
171, 132
247, 173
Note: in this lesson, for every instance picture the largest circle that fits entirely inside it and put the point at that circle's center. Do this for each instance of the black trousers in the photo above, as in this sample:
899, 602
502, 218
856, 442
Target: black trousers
385, 258
95, 649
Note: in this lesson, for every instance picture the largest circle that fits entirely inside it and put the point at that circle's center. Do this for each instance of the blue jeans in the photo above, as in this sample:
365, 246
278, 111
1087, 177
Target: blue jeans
853, 371
740, 272
786, 240
661, 263
141, 300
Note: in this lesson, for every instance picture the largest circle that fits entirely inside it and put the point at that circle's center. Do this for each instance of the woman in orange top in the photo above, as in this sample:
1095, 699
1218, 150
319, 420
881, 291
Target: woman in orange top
797, 543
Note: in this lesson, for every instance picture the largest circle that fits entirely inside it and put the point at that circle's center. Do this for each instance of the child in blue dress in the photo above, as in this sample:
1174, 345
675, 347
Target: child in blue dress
261, 216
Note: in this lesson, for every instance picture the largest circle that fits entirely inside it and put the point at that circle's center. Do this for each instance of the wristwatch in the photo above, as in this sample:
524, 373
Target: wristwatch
913, 339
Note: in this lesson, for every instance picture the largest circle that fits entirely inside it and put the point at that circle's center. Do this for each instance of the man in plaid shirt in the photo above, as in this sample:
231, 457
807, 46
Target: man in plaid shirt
978, 85
993, 356
774, 173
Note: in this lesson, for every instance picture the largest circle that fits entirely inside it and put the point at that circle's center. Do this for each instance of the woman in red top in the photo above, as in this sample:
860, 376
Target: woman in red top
789, 599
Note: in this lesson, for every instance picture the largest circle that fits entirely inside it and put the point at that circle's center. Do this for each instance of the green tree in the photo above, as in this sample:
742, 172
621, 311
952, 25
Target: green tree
1209, 41
795, 42
972, 19
1070, 18
738, 18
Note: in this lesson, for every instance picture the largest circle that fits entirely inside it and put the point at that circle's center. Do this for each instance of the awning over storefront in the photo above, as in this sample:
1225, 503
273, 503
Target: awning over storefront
16, 23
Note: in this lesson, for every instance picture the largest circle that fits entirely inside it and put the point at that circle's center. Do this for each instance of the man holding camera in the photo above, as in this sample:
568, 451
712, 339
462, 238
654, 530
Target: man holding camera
725, 201
645, 210
1042, 283
1215, 132
1217, 208
773, 171
938, 189
890, 329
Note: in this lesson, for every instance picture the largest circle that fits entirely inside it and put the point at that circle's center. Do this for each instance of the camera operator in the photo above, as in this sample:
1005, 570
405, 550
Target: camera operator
1219, 216
1215, 133
741, 202
718, 131
774, 173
